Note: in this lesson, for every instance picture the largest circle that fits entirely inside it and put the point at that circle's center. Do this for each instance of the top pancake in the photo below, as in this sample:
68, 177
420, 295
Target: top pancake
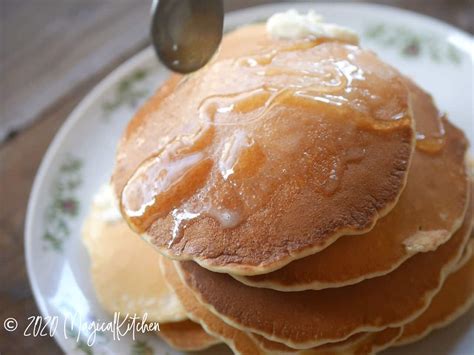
430, 209
123, 269
262, 157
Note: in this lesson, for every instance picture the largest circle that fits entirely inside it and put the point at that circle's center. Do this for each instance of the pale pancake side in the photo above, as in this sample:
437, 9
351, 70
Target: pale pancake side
124, 272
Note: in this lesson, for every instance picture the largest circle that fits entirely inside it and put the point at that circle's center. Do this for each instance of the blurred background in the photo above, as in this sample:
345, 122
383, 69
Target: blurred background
52, 53
51, 46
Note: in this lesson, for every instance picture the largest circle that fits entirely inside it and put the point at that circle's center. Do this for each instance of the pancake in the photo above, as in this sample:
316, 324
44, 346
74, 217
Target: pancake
310, 318
123, 267
361, 343
248, 164
470, 166
426, 215
247, 343
239, 342
186, 335
454, 299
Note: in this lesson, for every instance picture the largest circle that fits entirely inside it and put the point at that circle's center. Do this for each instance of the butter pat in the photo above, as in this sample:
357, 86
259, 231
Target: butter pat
424, 241
293, 25
107, 204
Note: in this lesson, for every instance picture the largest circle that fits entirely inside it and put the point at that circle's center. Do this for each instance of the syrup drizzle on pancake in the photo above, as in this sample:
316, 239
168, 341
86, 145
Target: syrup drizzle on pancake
430, 130
433, 143
229, 177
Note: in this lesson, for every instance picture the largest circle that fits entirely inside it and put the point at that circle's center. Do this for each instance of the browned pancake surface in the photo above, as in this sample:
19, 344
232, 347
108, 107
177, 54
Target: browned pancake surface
309, 318
425, 216
263, 156
252, 344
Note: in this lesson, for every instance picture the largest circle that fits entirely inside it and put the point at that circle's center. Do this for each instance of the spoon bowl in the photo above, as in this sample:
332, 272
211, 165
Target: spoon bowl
186, 33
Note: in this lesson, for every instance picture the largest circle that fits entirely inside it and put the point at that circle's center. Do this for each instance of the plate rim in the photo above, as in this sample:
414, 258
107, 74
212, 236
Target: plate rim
127, 65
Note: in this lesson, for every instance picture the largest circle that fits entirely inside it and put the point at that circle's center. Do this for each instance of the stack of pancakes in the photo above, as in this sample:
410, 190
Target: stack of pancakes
301, 196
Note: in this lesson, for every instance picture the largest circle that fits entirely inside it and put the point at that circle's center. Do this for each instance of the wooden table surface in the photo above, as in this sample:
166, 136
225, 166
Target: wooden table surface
52, 53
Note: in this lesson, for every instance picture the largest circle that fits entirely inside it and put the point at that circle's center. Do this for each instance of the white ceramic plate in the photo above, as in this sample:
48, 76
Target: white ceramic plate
436, 55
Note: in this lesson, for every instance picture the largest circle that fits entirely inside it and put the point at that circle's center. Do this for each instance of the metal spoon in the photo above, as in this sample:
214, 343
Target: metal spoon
186, 33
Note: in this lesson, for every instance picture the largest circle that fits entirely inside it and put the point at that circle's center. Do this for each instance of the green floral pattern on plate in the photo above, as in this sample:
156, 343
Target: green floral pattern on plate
64, 205
412, 44
128, 92
141, 347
